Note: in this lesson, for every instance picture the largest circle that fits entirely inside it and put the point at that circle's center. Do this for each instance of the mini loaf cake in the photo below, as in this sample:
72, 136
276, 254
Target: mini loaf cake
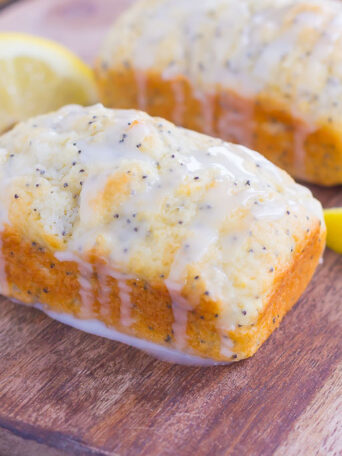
173, 241
266, 74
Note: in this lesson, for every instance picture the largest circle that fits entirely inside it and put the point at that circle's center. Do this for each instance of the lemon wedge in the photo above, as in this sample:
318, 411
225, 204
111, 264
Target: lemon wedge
333, 220
37, 76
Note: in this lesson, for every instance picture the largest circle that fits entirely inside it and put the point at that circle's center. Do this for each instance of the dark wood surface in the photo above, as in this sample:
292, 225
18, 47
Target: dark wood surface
66, 392
3, 3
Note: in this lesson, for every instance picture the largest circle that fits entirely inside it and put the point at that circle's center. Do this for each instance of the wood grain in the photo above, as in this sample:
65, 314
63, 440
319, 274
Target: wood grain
63, 392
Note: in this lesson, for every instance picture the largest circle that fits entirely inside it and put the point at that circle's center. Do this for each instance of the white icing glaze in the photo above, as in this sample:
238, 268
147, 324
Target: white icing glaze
100, 329
204, 232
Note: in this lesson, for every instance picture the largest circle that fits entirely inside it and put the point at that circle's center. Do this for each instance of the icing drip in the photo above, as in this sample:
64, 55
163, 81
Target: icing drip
179, 100
86, 289
141, 88
235, 122
193, 250
301, 132
104, 292
208, 106
4, 288
84, 279
125, 297
86, 292
180, 309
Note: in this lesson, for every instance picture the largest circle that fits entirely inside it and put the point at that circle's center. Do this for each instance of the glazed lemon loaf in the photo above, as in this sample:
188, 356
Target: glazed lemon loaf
170, 239
266, 74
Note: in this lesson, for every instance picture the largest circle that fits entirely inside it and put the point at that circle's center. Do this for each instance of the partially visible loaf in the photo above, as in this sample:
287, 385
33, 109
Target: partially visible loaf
266, 74
160, 233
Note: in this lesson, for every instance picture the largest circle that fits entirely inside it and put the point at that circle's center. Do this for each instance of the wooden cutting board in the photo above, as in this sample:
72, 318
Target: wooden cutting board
66, 392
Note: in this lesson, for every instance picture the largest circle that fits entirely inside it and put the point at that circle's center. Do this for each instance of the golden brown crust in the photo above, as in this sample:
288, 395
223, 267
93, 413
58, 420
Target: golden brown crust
35, 275
287, 288
263, 123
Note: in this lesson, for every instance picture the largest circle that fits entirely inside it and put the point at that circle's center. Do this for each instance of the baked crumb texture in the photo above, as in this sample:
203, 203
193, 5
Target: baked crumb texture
266, 74
159, 232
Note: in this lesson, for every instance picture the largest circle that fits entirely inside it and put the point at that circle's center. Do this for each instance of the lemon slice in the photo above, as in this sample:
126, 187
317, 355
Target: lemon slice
37, 76
333, 220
